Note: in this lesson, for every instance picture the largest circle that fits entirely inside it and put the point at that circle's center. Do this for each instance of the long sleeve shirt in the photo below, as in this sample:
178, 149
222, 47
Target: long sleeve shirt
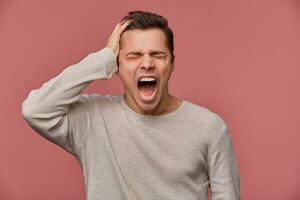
125, 155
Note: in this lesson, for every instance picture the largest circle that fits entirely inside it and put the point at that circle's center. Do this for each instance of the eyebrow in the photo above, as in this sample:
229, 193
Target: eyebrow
140, 53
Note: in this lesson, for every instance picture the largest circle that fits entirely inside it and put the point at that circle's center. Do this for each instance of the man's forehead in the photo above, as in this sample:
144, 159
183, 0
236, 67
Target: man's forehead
138, 37
150, 41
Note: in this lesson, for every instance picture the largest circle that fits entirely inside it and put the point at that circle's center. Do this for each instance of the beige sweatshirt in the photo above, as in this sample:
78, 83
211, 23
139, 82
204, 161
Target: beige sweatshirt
128, 156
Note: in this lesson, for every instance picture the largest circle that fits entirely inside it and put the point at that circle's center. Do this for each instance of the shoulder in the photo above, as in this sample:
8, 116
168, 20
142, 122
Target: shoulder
205, 117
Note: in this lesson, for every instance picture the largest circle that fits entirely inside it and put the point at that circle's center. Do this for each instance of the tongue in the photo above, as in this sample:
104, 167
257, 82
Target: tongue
147, 89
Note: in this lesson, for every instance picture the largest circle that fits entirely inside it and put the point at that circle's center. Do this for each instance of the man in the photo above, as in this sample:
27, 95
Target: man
144, 144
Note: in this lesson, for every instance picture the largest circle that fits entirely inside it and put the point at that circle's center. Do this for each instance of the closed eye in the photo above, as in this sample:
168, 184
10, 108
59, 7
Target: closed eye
155, 55
133, 56
159, 56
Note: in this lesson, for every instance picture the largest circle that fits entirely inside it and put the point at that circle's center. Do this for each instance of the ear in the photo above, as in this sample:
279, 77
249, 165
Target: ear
117, 73
173, 64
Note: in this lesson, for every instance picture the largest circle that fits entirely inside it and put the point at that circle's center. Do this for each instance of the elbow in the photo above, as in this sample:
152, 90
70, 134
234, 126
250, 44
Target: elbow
26, 110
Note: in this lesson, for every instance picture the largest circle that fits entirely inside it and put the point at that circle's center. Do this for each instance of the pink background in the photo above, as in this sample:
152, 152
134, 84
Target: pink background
238, 58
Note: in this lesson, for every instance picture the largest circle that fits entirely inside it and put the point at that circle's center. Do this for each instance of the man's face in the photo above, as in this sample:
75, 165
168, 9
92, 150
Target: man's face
145, 67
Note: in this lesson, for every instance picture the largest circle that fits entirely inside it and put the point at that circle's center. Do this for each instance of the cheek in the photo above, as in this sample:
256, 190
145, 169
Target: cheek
166, 73
126, 74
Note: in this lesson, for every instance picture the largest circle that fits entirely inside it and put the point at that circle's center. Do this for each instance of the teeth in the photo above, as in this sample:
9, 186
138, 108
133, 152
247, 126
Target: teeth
147, 79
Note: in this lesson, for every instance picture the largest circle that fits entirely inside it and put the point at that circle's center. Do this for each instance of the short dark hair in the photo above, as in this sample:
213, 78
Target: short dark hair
146, 20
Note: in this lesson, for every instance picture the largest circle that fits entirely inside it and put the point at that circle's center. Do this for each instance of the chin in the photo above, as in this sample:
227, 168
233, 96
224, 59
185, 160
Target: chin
147, 103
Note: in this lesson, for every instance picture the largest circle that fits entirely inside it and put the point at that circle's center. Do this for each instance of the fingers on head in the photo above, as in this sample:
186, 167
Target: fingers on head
120, 27
125, 21
123, 26
120, 24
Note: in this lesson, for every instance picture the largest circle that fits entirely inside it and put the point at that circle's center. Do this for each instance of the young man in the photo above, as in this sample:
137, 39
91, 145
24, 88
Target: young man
144, 144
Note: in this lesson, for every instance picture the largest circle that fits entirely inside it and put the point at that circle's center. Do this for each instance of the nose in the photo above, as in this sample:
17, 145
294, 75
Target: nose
147, 62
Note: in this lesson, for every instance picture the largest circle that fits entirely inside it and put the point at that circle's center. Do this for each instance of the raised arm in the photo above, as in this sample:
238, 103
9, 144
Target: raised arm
54, 109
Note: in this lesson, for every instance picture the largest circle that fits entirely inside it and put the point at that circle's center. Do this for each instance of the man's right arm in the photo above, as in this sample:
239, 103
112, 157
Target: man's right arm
56, 110
48, 109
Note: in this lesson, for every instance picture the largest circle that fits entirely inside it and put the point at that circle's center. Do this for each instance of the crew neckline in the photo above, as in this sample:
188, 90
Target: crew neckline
152, 117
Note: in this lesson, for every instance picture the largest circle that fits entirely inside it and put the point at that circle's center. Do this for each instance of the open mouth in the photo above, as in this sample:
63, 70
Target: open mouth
147, 86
